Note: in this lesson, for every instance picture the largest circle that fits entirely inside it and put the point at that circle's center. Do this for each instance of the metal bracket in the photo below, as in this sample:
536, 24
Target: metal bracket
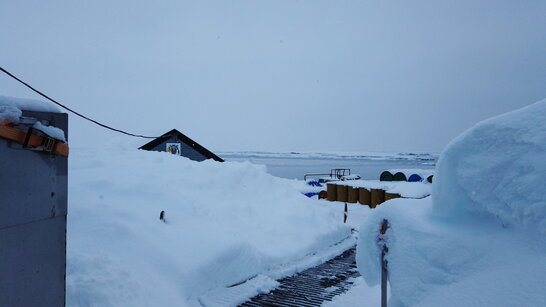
48, 143
27, 137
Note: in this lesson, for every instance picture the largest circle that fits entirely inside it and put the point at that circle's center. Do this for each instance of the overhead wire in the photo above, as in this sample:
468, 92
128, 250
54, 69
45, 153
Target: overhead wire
69, 109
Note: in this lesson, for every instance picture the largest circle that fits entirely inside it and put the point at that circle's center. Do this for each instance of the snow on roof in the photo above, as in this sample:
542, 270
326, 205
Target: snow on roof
28, 104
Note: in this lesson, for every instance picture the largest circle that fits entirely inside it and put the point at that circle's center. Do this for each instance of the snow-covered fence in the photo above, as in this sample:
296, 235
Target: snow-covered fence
33, 210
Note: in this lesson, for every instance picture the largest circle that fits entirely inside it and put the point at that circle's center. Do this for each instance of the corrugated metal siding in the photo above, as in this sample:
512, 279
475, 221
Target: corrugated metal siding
185, 150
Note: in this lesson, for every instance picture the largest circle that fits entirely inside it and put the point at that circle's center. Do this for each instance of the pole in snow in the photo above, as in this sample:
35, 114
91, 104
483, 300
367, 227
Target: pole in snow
382, 242
162, 216
345, 213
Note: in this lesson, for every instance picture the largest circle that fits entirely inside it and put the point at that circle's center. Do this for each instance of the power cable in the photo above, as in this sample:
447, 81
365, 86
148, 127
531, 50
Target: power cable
69, 109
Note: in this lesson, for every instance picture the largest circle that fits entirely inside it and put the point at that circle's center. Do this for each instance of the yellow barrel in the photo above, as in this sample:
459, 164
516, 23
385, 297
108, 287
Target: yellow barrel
342, 193
391, 195
364, 196
331, 192
377, 197
352, 195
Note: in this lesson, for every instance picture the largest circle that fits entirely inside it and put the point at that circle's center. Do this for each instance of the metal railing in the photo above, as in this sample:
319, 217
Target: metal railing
336, 173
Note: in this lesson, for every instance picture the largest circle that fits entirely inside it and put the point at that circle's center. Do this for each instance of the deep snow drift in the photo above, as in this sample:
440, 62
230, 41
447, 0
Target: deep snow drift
225, 223
497, 168
479, 241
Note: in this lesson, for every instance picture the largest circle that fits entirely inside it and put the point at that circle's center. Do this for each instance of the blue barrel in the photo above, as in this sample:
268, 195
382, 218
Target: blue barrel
415, 178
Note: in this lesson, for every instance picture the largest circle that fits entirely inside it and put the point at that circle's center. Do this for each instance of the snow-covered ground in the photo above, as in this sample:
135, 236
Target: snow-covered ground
226, 223
232, 229
479, 240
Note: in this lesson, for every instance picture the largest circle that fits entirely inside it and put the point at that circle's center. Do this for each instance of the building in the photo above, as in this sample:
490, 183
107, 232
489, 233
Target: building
33, 204
177, 143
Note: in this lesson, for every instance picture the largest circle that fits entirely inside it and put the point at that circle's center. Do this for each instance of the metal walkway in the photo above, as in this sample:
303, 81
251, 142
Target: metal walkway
312, 286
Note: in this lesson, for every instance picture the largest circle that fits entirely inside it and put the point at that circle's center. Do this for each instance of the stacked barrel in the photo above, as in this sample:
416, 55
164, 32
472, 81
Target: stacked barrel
353, 195
350, 192
409, 176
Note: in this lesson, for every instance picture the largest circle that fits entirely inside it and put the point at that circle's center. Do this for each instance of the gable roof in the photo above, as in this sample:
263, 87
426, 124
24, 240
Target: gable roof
202, 150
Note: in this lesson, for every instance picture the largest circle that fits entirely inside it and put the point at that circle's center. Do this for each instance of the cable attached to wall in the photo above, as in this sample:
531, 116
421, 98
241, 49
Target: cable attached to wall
69, 109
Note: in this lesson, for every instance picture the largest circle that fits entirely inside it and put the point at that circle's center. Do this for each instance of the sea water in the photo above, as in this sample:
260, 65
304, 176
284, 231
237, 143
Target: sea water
369, 167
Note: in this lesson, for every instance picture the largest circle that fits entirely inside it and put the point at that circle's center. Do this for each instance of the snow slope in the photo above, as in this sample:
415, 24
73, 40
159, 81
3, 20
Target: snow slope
497, 168
479, 241
226, 223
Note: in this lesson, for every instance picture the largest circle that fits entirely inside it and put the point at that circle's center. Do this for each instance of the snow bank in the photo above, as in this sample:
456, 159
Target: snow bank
451, 250
28, 104
226, 223
452, 262
497, 168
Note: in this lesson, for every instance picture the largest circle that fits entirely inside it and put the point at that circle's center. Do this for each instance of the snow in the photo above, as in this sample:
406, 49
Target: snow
497, 168
457, 262
222, 297
479, 240
52, 131
359, 295
227, 224
28, 104
10, 109
10, 113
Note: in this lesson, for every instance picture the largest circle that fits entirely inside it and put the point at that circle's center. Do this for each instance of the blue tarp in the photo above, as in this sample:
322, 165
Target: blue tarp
314, 183
311, 194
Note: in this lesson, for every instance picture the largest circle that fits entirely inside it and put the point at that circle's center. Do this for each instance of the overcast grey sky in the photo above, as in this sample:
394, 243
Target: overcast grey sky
280, 75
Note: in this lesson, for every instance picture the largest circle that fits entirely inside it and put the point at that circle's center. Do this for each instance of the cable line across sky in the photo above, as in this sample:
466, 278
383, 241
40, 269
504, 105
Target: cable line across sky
69, 109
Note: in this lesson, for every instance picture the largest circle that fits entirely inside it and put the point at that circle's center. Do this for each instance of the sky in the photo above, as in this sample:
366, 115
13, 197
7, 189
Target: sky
331, 76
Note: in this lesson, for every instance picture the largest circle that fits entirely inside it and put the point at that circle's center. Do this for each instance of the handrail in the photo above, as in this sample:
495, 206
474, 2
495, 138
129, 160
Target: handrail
314, 174
334, 173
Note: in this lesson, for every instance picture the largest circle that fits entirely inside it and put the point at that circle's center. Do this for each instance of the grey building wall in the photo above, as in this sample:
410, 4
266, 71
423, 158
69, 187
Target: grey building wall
33, 210
186, 150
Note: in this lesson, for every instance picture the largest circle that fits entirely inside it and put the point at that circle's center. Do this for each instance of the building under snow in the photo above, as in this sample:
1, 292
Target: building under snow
177, 143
